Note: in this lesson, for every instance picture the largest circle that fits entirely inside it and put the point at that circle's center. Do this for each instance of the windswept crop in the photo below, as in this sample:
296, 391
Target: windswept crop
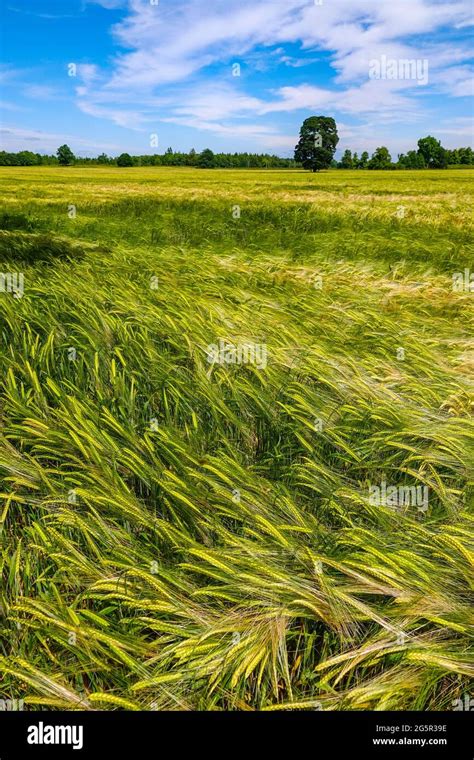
236, 443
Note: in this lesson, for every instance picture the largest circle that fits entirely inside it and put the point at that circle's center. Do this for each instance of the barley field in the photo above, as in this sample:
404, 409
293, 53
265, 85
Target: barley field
236, 442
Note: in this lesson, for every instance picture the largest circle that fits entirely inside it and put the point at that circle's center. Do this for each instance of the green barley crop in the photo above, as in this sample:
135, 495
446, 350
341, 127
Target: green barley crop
185, 534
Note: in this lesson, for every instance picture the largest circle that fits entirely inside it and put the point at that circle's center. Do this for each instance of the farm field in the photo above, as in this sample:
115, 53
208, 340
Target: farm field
236, 441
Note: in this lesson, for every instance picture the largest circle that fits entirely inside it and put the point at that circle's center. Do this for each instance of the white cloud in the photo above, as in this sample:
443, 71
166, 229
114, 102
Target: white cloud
6, 105
13, 138
40, 92
121, 117
88, 72
162, 77
8, 74
109, 4
457, 81
459, 128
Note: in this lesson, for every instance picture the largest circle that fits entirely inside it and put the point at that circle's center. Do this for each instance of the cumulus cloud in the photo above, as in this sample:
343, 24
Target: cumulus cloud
164, 73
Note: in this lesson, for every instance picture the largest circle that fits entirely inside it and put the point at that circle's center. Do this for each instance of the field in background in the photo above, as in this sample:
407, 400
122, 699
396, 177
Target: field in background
185, 534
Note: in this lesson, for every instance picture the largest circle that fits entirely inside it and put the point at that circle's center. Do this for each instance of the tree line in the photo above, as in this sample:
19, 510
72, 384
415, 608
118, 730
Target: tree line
319, 139
206, 159
315, 151
430, 155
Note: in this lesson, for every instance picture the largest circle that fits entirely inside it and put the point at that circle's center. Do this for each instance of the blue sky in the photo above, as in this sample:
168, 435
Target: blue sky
233, 74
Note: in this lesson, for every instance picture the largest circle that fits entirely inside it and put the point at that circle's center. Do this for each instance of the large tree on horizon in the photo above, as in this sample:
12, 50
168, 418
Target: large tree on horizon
433, 152
317, 144
65, 155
